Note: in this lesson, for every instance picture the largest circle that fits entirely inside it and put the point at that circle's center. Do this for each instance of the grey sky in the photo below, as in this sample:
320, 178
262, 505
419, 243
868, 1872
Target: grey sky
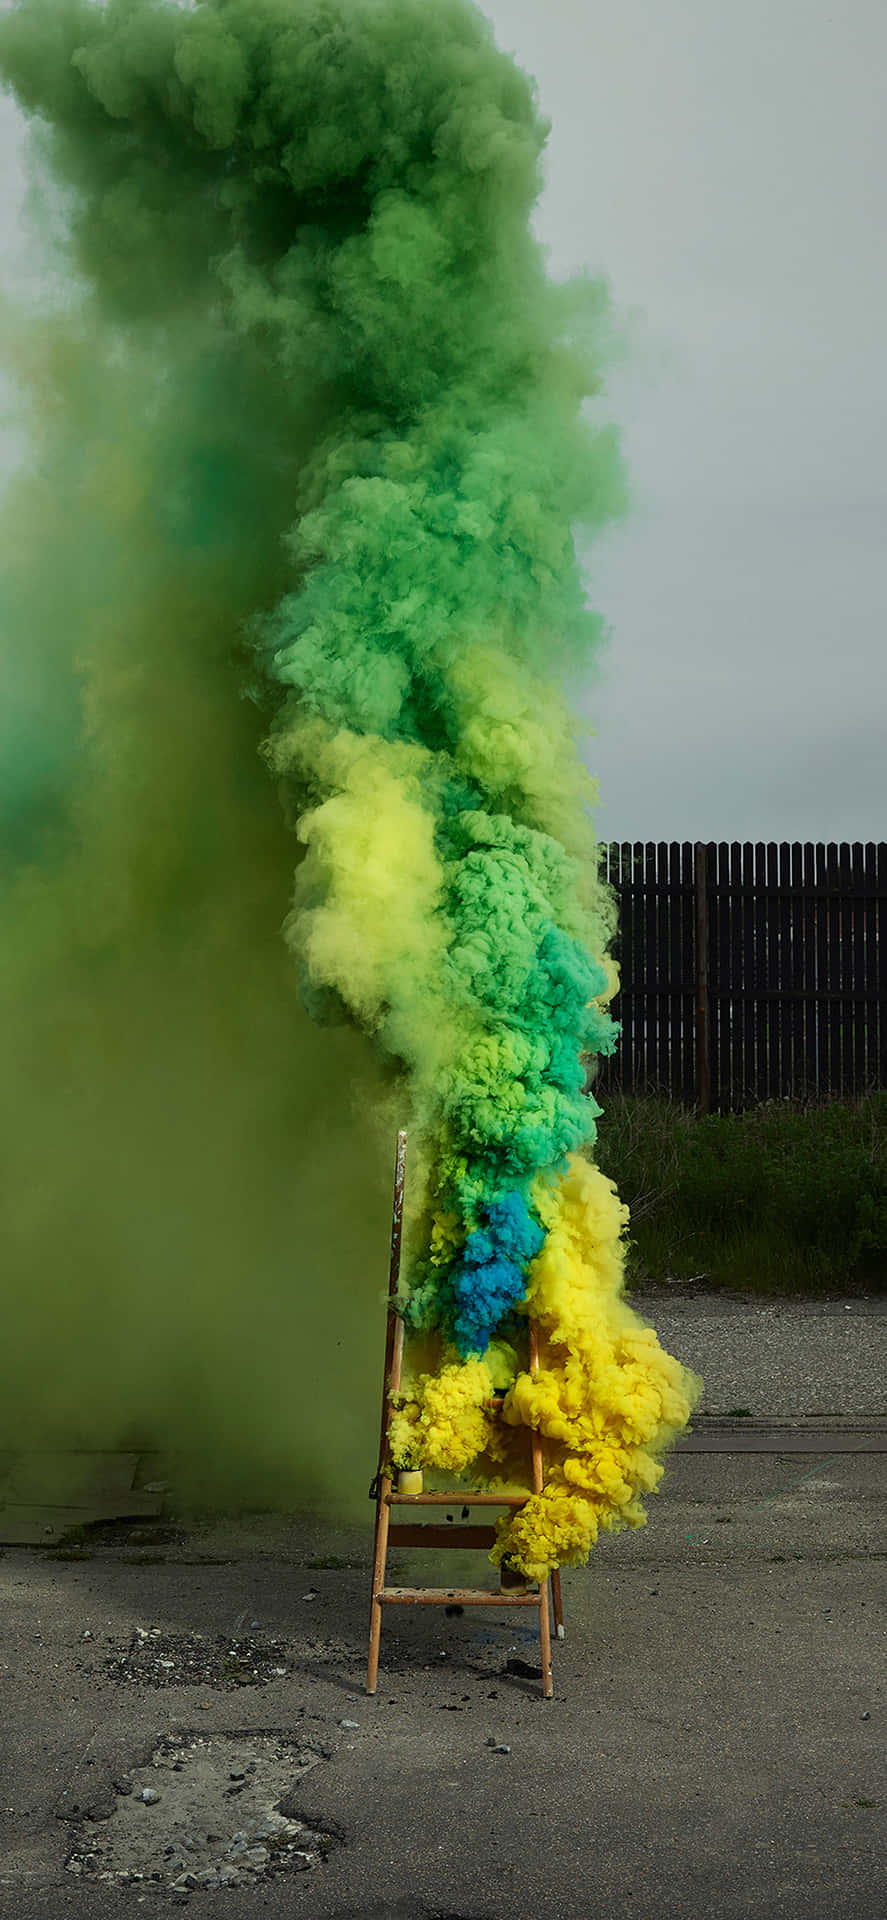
726, 166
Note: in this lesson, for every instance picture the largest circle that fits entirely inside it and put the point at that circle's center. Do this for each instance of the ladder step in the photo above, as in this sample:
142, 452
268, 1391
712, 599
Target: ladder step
423, 1535
456, 1597
458, 1499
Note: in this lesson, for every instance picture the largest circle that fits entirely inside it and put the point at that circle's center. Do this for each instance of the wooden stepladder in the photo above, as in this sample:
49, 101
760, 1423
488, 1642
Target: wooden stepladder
450, 1535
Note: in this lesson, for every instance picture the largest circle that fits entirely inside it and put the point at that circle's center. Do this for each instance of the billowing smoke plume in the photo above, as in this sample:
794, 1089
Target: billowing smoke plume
333, 404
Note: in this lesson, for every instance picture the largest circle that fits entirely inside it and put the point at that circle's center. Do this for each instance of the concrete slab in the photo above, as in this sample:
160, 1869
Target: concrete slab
45, 1496
716, 1744
787, 1356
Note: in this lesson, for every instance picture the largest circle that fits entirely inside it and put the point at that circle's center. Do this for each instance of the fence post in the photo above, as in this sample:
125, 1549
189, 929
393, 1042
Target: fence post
703, 1008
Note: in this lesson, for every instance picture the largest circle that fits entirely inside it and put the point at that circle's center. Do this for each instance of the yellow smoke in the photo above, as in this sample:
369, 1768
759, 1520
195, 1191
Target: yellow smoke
606, 1399
445, 1421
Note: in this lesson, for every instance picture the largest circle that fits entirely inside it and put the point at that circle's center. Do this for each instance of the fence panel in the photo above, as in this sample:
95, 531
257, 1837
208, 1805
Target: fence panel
749, 972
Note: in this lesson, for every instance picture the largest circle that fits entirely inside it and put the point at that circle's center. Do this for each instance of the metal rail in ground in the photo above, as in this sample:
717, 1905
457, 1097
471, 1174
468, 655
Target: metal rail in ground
821, 1434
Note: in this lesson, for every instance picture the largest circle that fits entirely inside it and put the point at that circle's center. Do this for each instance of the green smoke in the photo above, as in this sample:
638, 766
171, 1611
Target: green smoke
170, 1116
311, 423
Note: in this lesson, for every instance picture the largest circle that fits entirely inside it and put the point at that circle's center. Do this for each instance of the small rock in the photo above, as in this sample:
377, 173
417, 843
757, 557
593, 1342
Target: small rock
237, 1773
865, 1716
498, 1746
311, 1594
150, 1796
258, 1856
353, 1726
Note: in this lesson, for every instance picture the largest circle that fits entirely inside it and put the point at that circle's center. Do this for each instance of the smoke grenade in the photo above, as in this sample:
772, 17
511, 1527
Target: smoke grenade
337, 446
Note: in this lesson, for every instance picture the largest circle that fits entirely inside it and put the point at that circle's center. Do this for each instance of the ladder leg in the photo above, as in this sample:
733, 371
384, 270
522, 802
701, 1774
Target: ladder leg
545, 1638
383, 1512
380, 1556
538, 1484
390, 1384
557, 1603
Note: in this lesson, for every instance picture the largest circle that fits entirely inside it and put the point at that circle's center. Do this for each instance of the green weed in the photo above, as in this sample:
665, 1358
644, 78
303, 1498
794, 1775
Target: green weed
786, 1197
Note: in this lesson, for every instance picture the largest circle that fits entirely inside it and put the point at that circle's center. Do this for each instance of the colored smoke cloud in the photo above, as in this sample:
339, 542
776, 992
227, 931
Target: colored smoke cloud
314, 418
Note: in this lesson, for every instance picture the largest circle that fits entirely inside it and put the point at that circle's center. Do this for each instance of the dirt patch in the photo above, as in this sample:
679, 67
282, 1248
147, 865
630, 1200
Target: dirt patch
208, 1810
152, 1658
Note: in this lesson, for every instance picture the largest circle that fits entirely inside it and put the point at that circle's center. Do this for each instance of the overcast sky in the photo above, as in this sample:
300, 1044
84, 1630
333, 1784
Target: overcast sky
725, 165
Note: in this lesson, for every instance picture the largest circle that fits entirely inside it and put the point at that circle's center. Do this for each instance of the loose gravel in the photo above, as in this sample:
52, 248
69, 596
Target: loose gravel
152, 1658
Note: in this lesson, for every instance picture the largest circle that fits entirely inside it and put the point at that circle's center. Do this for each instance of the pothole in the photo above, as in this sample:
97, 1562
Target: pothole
207, 1811
152, 1658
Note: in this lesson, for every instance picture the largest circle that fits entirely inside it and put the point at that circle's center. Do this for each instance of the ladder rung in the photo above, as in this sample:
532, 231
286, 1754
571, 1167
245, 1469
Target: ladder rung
423, 1535
458, 1499
456, 1597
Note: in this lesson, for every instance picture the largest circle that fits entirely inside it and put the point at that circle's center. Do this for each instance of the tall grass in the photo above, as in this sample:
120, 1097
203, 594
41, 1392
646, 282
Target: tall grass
785, 1197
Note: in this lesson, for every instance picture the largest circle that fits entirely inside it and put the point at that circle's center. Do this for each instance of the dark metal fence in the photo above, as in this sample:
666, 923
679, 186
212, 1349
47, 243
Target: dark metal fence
750, 972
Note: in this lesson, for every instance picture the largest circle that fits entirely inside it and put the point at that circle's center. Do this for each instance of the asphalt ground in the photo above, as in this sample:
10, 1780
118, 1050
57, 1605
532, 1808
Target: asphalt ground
777, 1356
716, 1745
